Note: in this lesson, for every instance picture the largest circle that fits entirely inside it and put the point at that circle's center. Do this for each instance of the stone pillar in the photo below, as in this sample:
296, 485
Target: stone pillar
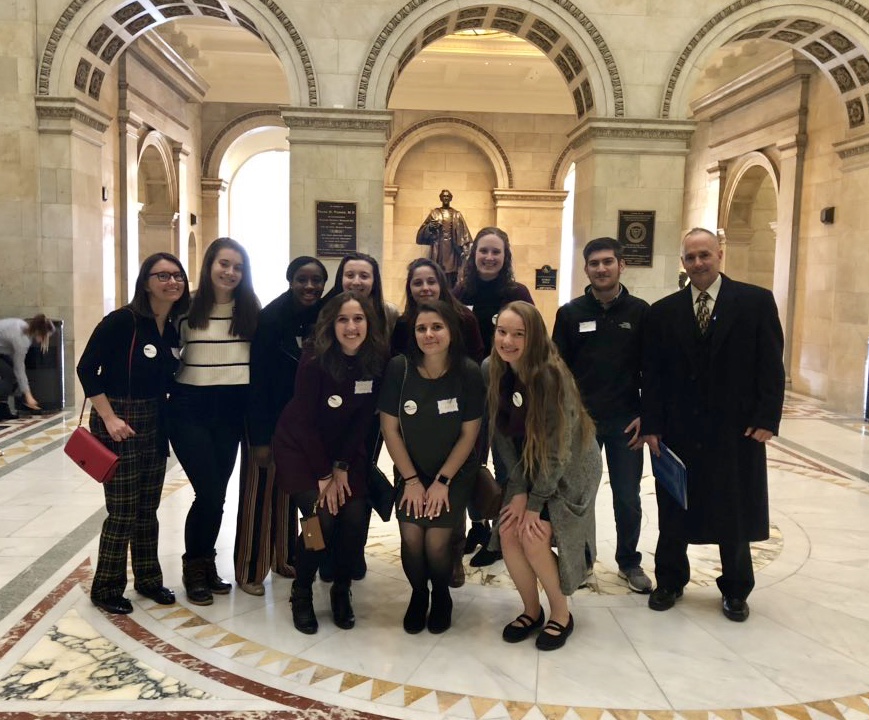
716, 180
336, 154
791, 159
180, 155
631, 164
393, 282
214, 201
129, 126
532, 220
71, 250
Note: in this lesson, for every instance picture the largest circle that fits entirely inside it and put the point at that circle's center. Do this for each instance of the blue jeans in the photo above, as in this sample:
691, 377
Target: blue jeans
625, 470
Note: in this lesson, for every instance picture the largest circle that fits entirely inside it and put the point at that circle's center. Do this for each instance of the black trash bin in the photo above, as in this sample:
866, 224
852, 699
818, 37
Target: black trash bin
45, 371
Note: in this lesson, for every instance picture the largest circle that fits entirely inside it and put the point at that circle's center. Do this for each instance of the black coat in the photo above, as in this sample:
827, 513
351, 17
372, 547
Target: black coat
701, 393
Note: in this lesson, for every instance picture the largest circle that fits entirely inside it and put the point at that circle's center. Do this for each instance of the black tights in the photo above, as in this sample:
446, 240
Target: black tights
344, 534
425, 555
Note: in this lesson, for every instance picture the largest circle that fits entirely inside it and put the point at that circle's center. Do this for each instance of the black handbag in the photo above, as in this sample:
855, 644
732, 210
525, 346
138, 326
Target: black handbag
381, 493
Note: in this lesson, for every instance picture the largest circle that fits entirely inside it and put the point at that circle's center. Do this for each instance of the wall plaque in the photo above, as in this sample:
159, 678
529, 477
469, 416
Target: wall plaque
336, 228
637, 236
545, 278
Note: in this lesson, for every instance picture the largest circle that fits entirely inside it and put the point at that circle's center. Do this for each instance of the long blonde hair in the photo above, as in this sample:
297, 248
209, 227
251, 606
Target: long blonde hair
549, 384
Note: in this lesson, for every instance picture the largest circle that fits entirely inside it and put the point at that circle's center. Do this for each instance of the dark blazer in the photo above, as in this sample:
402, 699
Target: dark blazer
701, 393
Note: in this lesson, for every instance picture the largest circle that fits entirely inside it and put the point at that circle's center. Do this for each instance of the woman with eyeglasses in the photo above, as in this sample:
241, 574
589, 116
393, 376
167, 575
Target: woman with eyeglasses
126, 371
209, 401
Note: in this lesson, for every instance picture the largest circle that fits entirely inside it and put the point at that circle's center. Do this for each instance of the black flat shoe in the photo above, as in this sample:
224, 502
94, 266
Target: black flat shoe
527, 624
479, 534
550, 641
663, 598
160, 595
116, 605
734, 609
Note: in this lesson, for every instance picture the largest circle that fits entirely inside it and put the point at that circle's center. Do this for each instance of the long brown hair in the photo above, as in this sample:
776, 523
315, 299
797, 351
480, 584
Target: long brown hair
549, 384
373, 352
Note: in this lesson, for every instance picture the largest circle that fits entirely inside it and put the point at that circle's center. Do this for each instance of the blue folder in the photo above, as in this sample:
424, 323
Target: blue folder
670, 471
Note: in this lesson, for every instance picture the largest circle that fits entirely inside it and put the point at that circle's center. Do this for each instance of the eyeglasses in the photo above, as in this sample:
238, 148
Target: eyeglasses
165, 277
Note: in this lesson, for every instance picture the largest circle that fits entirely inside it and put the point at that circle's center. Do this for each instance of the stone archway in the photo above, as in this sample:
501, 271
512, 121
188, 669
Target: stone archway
581, 56
157, 198
750, 219
830, 33
91, 34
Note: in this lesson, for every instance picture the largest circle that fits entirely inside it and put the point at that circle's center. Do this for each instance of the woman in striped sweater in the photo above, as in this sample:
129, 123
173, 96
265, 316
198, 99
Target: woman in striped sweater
208, 403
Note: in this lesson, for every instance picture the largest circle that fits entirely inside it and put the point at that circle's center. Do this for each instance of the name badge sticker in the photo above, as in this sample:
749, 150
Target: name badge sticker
335, 401
588, 326
364, 387
448, 406
149, 351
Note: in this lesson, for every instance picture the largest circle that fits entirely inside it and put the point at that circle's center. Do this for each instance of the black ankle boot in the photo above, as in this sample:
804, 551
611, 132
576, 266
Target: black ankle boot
195, 578
479, 534
342, 610
414, 618
304, 618
215, 583
441, 616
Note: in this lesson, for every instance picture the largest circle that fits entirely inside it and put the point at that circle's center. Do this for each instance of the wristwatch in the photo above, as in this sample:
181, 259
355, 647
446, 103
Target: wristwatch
340, 465
444, 479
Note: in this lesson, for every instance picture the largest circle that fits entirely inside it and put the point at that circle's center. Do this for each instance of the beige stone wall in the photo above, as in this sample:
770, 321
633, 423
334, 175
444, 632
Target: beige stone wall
832, 293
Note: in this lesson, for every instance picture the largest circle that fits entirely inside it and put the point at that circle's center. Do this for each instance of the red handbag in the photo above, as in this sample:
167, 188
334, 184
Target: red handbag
91, 455
88, 452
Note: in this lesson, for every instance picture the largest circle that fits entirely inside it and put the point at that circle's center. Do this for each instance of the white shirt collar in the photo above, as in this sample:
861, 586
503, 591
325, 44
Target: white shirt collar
713, 291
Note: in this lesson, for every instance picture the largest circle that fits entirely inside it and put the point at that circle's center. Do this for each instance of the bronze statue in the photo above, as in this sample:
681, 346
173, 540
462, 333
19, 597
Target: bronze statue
446, 232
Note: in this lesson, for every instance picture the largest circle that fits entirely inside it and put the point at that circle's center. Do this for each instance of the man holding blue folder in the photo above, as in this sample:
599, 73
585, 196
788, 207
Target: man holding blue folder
713, 389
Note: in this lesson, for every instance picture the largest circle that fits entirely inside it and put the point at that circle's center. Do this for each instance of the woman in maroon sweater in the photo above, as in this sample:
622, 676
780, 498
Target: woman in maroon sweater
319, 447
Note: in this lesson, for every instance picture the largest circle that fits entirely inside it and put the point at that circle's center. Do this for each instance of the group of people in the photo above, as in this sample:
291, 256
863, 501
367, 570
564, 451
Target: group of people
310, 386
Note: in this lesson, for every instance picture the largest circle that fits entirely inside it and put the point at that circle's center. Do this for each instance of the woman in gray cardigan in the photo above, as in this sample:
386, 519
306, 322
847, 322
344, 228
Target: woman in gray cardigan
547, 439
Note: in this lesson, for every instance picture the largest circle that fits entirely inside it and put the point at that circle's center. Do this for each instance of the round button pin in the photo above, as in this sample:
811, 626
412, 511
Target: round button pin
335, 401
517, 399
410, 407
149, 351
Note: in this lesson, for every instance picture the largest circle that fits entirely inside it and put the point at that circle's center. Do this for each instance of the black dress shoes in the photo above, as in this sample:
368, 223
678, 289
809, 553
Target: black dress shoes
115, 605
160, 595
734, 609
663, 598
513, 633
553, 641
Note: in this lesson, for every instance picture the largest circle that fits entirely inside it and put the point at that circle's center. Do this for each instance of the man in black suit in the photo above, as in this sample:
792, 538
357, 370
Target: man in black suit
713, 389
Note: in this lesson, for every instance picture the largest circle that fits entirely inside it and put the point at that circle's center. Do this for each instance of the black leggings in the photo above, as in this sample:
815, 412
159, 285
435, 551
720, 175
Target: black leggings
425, 555
343, 533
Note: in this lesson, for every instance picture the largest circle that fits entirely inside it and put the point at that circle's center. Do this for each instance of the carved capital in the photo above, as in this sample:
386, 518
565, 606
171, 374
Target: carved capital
538, 199
621, 135
213, 186
69, 115
337, 126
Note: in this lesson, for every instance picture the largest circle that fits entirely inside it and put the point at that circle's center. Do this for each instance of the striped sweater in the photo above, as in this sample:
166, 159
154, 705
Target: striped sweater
211, 356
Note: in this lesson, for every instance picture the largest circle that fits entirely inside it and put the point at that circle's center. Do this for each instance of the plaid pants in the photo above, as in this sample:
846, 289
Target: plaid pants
132, 499
267, 523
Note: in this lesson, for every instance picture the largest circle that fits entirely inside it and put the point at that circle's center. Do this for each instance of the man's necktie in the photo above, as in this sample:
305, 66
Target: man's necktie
703, 312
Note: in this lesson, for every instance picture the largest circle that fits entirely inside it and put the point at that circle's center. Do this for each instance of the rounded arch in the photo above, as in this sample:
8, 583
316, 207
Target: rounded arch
741, 166
558, 28
561, 167
232, 131
457, 127
831, 33
154, 158
90, 34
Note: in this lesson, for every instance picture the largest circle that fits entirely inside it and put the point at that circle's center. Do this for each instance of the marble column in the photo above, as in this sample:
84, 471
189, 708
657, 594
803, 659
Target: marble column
180, 158
532, 220
791, 159
214, 218
631, 164
393, 282
336, 154
129, 126
74, 244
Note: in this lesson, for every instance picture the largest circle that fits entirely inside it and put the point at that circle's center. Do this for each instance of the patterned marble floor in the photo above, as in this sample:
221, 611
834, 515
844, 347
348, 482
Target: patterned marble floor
803, 654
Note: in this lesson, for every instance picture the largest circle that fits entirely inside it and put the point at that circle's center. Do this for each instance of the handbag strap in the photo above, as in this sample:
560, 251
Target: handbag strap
129, 370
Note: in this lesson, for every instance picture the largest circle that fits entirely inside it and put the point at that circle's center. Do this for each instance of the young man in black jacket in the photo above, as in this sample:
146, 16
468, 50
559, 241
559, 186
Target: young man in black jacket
599, 336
